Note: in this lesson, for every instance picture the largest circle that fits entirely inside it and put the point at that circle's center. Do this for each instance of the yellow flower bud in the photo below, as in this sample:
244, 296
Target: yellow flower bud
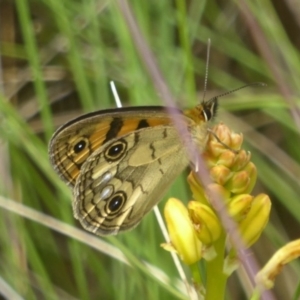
239, 206
236, 140
220, 174
206, 222
250, 168
215, 149
238, 183
199, 193
256, 220
223, 133
227, 158
197, 189
181, 230
240, 160
229, 141
218, 189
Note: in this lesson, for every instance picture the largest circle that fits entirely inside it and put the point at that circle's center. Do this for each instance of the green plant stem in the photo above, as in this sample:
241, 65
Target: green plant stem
197, 280
216, 279
256, 295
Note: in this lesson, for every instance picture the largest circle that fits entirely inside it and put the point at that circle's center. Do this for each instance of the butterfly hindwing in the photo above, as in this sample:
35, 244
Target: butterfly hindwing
125, 177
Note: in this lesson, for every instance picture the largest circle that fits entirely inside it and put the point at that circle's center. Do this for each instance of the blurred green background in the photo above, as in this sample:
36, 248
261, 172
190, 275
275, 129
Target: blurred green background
57, 58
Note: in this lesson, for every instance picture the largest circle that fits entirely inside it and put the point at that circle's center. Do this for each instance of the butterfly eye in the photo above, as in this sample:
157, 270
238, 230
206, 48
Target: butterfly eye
209, 109
115, 151
207, 114
116, 202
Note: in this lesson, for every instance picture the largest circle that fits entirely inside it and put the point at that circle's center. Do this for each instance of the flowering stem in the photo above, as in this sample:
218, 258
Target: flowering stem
196, 277
256, 295
216, 279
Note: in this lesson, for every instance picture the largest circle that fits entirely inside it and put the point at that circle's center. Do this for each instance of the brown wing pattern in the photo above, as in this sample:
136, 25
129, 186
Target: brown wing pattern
121, 181
75, 141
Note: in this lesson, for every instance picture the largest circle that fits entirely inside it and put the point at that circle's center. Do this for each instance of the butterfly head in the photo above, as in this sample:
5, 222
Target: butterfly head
204, 112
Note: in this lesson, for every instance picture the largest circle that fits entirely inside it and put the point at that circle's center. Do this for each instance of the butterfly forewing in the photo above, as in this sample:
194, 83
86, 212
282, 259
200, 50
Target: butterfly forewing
74, 142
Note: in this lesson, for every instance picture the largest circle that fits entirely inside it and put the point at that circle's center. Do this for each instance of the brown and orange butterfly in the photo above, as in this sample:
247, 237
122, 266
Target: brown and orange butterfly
120, 162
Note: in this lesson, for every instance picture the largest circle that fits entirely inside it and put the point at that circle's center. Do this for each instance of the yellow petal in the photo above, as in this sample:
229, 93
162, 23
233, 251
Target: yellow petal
168, 247
206, 222
239, 206
266, 276
256, 220
181, 230
197, 189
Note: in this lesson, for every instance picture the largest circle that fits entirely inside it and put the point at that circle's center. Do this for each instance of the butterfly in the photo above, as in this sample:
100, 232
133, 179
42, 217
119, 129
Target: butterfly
120, 162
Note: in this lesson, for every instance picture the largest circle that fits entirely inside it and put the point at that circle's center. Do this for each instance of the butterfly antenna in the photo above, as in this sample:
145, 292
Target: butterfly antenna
239, 88
206, 69
115, 94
